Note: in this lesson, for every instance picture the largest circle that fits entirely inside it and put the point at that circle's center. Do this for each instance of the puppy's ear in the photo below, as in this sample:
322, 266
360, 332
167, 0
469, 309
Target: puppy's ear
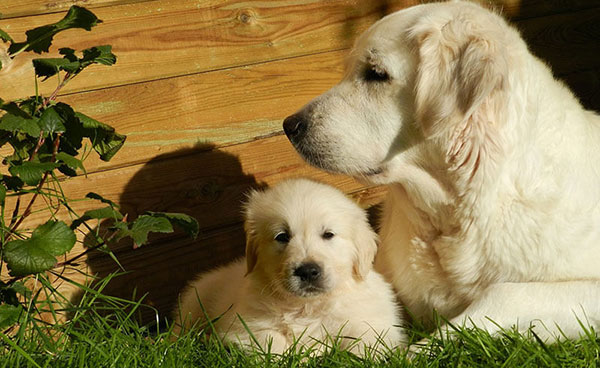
365, 243
251, 252
251, 230
461, 78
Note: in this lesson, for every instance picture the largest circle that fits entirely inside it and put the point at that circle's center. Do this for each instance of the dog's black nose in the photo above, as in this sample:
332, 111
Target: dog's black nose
294, 126
308, 272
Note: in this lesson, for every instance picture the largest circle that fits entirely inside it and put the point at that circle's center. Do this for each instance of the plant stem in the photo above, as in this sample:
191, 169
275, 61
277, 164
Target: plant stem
27, 211
39, 145
52, 97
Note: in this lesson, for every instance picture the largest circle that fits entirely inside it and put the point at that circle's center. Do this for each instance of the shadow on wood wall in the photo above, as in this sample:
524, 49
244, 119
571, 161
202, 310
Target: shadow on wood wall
201, 182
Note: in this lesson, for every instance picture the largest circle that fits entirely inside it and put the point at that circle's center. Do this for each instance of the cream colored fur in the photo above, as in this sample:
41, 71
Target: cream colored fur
354, 301
492, 165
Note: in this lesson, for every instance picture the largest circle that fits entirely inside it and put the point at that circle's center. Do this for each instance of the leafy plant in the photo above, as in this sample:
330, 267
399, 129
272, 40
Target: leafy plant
49, 141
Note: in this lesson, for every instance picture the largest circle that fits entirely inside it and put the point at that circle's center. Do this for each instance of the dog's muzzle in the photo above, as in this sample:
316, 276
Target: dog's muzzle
295, 127
308, 278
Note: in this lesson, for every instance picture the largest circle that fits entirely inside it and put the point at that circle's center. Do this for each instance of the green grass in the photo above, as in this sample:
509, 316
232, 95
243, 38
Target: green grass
103, 332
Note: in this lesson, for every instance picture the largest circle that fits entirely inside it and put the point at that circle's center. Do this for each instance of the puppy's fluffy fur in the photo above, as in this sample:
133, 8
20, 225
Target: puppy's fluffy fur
493, 169
307, 275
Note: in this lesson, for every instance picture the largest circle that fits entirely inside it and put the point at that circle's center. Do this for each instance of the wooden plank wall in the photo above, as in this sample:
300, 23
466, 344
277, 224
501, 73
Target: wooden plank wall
200, 89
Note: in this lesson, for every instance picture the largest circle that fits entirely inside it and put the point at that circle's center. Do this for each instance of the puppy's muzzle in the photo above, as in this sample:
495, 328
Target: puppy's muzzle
295, 127
309, 273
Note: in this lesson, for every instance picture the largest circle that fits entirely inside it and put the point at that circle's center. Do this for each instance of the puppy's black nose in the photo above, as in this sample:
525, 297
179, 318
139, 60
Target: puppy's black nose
294, 126
308, 272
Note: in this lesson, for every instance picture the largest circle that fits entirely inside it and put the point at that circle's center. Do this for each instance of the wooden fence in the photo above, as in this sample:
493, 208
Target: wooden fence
201, 88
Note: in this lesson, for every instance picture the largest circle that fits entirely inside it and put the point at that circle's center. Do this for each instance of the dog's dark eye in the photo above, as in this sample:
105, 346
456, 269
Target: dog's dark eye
328, 235
373, 74
283, 237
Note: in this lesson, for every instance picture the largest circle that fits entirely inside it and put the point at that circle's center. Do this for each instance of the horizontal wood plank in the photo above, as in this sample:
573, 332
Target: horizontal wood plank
161, 39
568, 42
516, 9
586, 84
219, 108
209, 185
167, 38
523, 9
21, 8
225, 107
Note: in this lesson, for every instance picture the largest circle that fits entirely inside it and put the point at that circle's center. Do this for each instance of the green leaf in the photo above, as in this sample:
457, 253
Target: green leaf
100, 213
142, 226
107, 145
98, 197
72, 162
5, 36
8, 295
92, 124
13, 123
187, 223
68, 53
105, 141
71, 140
12, 182
69, 164
39, 39
71, 63
48, 67
14, 109
31, 105
98, 55
20, 288
37, 254
9, 315
51, 121
32, 172
22, 145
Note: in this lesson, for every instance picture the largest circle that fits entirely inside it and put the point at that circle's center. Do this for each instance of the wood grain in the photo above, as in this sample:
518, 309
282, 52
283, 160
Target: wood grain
209, 185
161, 39
516, 9
568, 42
523, 9
21, 8
201, 88
219, 108
223, 108
167, 38
587, 85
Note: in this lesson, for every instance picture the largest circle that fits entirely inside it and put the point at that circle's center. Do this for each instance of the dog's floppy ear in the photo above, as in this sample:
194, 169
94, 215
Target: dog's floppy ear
461, 75
365, 243
251, 252
251, 230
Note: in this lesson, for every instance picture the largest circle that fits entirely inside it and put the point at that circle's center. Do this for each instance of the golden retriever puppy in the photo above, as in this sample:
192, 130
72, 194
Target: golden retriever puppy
492, 166
307, 277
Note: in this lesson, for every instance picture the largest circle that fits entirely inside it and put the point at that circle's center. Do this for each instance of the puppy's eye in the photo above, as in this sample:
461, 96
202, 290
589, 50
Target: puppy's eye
374, 74
283, 237
328, 235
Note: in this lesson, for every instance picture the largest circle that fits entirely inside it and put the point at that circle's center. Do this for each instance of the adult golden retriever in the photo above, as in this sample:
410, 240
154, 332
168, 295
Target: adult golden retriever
307, 279
492, 165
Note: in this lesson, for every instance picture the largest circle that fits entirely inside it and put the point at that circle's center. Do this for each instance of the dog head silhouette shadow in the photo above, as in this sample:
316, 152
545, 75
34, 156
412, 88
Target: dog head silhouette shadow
202, 182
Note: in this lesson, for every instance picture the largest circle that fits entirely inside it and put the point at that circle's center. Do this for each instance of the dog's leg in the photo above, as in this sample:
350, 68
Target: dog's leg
551, 310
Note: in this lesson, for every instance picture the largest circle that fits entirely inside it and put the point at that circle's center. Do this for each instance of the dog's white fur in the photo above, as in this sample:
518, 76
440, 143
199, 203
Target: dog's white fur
352, 299
493, 169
